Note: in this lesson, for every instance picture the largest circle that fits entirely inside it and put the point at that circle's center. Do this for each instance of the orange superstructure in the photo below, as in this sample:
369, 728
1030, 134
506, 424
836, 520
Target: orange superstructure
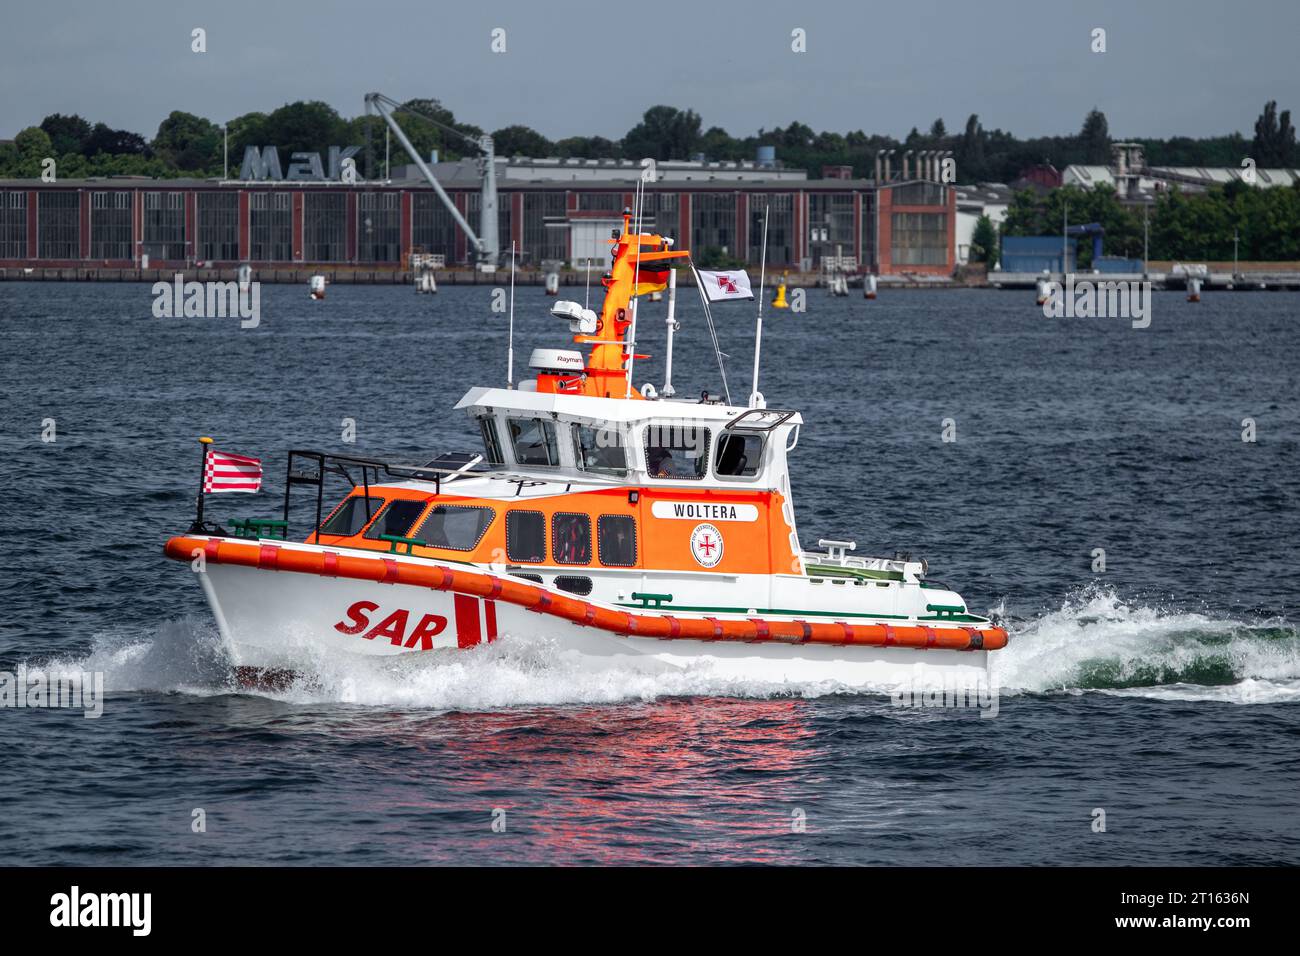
639, 260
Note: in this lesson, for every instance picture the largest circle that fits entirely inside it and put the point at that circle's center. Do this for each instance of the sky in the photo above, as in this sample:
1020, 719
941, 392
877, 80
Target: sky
571, 67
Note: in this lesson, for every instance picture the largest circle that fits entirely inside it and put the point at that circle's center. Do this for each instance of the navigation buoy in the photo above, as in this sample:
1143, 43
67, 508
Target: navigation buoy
778, 302
868, 286
245, 277
1193, 290
317, 287
425, 282
552, 283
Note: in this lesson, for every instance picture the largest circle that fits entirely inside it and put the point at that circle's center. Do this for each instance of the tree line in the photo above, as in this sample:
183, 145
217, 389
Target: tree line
186, 145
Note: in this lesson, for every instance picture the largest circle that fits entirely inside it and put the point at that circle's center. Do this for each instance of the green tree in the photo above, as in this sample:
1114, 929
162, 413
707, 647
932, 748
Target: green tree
1274, 144
984, 242
521, 141
1094, 139
188, 142
663, 133
68, 134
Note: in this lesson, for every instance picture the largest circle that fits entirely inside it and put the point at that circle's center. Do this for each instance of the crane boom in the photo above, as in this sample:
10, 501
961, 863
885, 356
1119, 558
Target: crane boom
486, 242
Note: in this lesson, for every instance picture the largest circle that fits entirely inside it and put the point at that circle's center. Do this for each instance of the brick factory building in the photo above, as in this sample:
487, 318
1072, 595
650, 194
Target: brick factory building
553, 210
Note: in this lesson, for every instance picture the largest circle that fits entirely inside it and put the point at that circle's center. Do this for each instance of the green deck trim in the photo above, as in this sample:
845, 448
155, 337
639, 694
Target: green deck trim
839, 571
396, 540
787, 612
253, 528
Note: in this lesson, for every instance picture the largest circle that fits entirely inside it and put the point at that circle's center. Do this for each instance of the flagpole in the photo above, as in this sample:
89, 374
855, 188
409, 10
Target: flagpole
204, 442
754, 396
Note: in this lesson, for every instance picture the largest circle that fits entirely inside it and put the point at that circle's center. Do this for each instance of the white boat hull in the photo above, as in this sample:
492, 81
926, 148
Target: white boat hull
283, 621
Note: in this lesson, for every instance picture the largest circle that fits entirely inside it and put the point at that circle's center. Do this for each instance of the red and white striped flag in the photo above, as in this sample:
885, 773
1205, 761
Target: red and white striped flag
223, 471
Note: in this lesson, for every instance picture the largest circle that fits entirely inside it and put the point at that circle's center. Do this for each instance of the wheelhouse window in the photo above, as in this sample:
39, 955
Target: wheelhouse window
674, 450
491, 441
571, 538
455, 527
616, 538
353, 515
534, 441
739, 455
599, 450
396, 519
526, 536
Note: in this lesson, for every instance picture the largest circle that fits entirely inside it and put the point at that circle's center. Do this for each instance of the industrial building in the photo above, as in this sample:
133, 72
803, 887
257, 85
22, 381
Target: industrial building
553, 210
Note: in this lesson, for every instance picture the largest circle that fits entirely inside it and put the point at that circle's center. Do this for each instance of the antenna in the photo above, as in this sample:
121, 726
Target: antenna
510, 349
756, 397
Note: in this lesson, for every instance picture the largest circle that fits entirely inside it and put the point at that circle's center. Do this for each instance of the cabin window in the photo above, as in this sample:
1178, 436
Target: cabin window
396, 519
534, 441
526, 536
599, 449
571, 538
455, 527
573, 584
352, 516
674, 450
491, 441
739, 455
616, 537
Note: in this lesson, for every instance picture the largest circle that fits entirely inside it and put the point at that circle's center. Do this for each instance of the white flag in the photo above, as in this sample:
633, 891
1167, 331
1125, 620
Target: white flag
719, 286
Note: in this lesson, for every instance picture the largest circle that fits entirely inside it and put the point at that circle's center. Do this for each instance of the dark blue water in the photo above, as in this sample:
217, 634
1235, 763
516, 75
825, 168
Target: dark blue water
1164, 691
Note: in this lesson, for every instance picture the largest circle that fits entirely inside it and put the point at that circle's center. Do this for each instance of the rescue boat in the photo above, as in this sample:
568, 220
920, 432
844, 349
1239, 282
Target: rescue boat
613, 521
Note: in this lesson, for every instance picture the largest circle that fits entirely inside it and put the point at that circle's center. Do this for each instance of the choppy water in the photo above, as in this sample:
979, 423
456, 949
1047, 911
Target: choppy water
1164, 690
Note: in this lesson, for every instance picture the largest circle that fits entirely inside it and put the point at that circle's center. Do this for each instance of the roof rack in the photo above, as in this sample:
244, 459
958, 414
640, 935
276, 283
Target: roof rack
326, 463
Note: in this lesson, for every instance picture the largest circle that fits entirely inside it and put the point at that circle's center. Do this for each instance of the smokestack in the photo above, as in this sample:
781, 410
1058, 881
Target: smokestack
905, 164
879, 153
889, 165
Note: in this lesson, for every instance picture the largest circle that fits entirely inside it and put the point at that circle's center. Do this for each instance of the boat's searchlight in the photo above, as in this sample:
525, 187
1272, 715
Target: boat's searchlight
581, 321
558, 370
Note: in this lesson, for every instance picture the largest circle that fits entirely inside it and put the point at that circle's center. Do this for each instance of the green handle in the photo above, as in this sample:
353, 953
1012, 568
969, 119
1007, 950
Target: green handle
396, 540
652, 600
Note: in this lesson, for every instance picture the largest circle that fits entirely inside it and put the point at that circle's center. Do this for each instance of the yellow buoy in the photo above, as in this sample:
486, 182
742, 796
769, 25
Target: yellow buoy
778, 302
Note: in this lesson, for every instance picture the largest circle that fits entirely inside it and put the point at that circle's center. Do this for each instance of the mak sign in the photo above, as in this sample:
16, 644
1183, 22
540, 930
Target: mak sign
265, 164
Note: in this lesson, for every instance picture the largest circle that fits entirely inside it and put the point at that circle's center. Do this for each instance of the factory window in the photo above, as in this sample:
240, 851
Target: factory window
433, 230
919, 239
616, 538
920, 194
13, 224
675, 450
830, 227
534, 441
780, 228
525, 536
218, 226
868, 243
713, 222
455, 527
164, 225
110, 225
270, 226
379, 227
325, 227
571, 538
546, 228
659, 213
59, 225
601, 202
